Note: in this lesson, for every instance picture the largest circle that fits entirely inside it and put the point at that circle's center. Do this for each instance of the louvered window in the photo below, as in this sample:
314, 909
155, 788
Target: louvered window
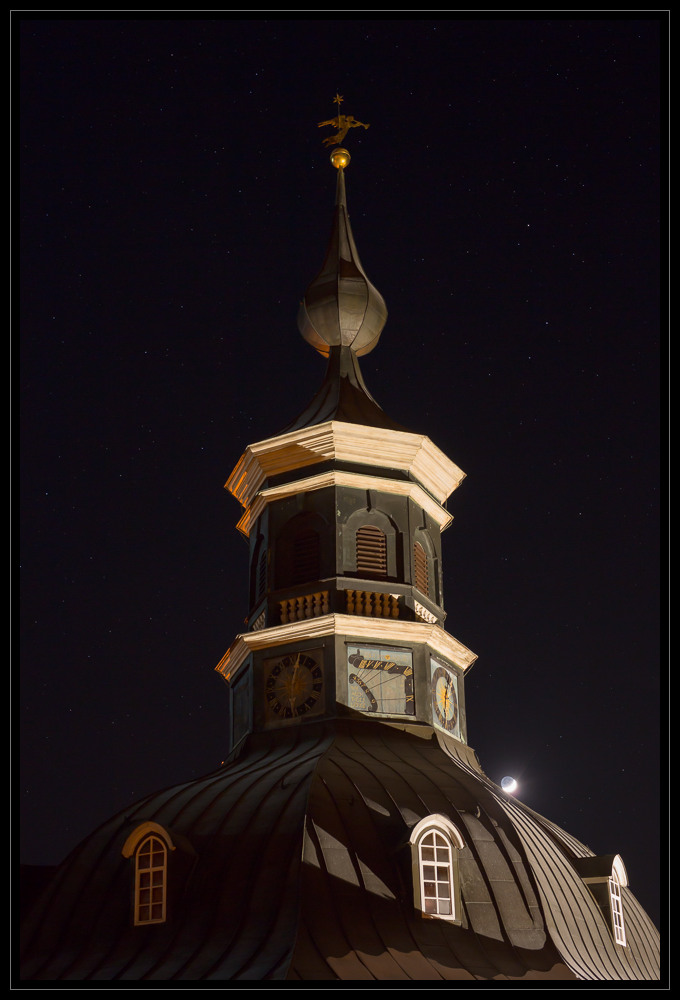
420, 570
305, 557
371, 551
261, 583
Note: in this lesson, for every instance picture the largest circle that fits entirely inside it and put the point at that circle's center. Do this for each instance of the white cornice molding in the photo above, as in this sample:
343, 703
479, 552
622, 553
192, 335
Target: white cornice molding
363, 445
335, 477
352, 626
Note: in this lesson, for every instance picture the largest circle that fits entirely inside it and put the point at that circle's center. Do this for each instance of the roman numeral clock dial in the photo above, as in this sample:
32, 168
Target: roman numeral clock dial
444, 688
293, 687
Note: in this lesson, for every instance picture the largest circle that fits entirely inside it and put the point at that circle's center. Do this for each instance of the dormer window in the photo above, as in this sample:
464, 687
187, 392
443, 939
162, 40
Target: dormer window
435, 843
149, 846
605, 876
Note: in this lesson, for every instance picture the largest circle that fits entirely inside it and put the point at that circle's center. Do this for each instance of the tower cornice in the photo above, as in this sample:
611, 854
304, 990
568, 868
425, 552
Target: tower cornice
352, 626
377, 447
338, 477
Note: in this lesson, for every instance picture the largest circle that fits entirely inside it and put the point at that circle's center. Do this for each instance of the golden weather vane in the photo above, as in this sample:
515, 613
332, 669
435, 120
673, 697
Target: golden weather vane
343, 123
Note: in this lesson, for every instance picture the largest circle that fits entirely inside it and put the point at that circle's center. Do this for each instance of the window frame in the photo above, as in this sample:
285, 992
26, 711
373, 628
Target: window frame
605, 876
445, 837
149, 833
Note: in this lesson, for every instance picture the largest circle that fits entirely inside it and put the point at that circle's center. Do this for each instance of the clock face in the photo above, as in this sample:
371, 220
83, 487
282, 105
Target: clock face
380, 680
293, 686
444, 687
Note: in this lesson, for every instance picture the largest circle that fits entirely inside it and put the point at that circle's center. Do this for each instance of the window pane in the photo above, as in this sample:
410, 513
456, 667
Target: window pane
428, 853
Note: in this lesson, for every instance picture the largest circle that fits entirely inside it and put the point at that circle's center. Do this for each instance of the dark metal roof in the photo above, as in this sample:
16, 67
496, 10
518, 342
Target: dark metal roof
343, 396
341, 306
299, 868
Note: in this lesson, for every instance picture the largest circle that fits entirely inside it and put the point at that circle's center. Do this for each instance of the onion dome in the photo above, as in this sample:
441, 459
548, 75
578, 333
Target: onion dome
341, 308
342, 316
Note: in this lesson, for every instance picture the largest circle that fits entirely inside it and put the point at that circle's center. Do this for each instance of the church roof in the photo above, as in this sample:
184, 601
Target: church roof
292, 862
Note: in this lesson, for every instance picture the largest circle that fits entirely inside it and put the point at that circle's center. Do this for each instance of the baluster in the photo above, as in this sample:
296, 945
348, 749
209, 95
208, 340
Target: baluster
350, 595
325, 605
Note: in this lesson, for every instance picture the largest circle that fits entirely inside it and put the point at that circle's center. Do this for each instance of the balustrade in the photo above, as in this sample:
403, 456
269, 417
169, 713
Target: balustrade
372, 604
295, 609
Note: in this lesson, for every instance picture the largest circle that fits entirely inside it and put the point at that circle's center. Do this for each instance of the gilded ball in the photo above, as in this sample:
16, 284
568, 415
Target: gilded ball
340, 158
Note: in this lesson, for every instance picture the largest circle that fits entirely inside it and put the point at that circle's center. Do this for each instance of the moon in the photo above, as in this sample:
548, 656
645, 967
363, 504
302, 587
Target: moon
508, 784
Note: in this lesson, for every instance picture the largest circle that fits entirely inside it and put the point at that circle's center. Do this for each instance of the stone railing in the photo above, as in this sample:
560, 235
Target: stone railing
295, 609
371, 604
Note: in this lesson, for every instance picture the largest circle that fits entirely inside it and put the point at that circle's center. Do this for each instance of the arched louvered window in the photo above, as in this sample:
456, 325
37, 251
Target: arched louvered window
151, 876
261, 578
421, 576
371, 551
435, 843
305, 556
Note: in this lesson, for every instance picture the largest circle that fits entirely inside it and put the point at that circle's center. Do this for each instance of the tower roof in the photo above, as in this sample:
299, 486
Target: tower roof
341, 307
342, 315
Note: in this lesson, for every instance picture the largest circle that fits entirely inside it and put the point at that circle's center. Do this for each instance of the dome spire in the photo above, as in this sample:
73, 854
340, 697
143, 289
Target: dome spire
341, 308
342, 313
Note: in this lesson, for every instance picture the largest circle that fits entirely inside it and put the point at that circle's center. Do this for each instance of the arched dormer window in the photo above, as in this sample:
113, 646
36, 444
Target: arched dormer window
149, 846
616, 880
435, 843
605, 875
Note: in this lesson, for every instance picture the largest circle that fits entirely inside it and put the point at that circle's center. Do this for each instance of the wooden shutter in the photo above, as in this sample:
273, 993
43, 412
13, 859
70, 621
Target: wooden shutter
305, 557
420, 570
371, 551
261, 582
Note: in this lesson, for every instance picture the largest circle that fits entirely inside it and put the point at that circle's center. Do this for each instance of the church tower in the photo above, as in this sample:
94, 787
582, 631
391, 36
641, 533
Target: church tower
351, 833
344, 512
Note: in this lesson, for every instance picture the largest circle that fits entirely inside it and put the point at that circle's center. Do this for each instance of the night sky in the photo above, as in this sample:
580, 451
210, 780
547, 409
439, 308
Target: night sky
174, 199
